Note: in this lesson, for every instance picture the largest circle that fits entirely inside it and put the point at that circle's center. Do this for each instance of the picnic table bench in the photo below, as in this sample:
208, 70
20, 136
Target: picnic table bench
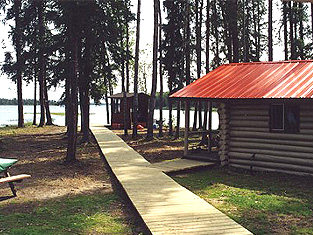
5, 164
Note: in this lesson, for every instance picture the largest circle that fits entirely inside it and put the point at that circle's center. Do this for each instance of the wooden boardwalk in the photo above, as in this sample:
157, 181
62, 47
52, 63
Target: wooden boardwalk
180, 165
165, 206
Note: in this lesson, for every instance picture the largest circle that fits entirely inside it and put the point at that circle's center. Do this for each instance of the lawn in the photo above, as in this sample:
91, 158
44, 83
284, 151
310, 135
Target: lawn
96, 213
59, 198
263, 203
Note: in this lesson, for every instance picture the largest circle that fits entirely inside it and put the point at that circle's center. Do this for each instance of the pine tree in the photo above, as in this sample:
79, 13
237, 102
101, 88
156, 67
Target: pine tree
135, 104
154, 70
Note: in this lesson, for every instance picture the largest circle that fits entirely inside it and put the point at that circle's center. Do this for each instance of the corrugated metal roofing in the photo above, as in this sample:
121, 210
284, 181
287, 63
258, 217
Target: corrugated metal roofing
284, 79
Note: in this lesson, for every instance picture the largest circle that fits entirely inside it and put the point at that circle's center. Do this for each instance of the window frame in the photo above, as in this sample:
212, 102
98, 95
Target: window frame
286, 107
271, 117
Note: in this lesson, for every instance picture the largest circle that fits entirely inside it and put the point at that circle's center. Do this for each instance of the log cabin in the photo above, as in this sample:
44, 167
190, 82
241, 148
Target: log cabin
265, 114
117, 109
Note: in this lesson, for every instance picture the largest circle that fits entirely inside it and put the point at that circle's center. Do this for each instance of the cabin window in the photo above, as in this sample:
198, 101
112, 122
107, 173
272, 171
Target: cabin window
116, 106
285, 118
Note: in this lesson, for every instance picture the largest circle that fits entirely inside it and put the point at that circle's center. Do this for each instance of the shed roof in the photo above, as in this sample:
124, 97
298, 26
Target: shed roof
284, 79
128, 95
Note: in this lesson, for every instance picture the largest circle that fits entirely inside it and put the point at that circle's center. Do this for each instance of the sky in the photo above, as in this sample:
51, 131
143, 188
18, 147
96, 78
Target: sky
8, 88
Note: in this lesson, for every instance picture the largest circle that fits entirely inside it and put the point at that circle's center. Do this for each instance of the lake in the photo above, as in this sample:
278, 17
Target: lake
9, 114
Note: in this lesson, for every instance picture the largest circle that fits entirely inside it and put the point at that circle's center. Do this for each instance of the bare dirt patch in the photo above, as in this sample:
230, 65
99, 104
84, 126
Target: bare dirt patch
42, 156
156, 150
41, 153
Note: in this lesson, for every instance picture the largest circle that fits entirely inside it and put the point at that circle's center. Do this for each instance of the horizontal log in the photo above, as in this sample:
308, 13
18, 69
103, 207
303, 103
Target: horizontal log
272, 152
255, 168
306, 125
249, 106
307, 107
244, 123
273, 165
300, 149
306, 131
279, 141
253, 129
271, 158
250, 118
306, 119
250, 112
306, 114
284, 136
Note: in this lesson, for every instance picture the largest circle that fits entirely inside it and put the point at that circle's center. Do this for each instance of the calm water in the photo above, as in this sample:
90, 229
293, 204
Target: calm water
8, 115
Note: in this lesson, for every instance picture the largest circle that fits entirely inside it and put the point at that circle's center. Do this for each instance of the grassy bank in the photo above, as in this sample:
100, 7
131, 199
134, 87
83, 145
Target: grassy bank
263, 203
59, 198
96, 213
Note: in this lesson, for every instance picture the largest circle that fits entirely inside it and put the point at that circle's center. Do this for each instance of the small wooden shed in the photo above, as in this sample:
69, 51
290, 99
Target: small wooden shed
265, 114
117, 109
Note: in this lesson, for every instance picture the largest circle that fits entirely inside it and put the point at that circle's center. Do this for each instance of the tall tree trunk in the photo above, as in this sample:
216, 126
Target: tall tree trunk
234, 30
47, 107
187, 30
207, 41
154, 71
198, 35
127, 56
216, 59
84, 84
125, 108
270, 30
245, 29
312, 20
207, 50
67, 91
41, 65
227, 32
195, 117
19, 62
135, 102
85, 113
170, 114
178, 119
258, 48
301, 33
161, 73
285, 7
107, 106
35, 95
73, 80
199, 60
295, 21
291, 32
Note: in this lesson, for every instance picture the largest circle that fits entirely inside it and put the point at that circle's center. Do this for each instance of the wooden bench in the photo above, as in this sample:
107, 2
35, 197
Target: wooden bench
12, 179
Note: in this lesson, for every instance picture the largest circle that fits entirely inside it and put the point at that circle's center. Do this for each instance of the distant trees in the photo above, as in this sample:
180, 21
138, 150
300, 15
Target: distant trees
74, 44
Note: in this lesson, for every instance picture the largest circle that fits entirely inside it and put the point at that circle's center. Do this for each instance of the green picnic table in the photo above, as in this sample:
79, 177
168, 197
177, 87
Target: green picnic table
5, 164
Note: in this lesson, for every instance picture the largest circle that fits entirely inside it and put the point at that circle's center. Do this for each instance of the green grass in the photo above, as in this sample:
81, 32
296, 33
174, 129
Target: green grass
86, 214
263, 203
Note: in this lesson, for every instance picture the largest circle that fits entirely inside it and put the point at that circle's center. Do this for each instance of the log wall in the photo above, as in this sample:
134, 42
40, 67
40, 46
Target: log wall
251, 145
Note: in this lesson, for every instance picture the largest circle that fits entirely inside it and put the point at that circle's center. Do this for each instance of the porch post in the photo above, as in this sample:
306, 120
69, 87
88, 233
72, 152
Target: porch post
187, 118
210, 128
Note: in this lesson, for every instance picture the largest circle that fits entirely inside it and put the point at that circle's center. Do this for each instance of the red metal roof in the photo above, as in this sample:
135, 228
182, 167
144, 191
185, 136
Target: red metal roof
284, 79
